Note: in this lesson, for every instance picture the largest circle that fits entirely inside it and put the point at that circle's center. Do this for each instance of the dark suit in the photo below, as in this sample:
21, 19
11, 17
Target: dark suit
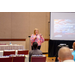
34, 52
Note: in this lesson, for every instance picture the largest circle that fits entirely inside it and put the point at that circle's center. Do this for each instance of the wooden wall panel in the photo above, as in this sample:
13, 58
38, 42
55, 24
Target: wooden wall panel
47, 25
38, 20
5, 24
43, 48
20, 24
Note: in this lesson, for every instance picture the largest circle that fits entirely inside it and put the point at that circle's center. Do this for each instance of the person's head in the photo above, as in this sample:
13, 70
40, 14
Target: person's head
73, 45
36, 31
64, 53
35, 45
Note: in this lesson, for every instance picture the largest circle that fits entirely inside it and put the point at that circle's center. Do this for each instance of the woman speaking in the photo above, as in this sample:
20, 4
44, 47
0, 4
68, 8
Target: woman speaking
36, 37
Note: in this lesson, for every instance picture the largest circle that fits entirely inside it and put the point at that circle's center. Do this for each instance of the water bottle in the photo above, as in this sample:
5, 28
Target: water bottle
10, 43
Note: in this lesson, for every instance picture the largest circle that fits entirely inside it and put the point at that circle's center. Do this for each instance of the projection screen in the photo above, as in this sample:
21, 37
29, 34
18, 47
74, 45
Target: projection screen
62, 26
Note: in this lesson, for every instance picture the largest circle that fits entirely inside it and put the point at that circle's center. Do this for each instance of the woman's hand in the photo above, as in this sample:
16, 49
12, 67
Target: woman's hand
41, 35
35, 37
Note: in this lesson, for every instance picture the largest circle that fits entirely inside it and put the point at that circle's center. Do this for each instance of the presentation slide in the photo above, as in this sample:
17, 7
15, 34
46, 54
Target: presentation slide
63, 28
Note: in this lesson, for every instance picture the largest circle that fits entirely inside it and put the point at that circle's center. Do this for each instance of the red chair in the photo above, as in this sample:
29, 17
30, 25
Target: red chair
25, 52
6, 53
5, 59
38, 59
19, 59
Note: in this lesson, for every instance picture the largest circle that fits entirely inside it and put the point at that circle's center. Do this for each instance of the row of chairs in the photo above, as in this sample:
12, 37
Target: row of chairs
8, 52
12, 58
9, 56
19, 58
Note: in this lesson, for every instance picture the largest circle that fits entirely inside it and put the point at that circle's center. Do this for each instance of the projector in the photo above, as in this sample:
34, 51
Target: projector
61, 45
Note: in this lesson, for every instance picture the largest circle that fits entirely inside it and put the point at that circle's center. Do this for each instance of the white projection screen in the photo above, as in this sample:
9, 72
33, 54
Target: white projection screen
62, 26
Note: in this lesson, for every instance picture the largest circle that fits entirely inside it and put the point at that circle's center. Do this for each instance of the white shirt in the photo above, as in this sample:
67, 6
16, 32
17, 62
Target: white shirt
68, 61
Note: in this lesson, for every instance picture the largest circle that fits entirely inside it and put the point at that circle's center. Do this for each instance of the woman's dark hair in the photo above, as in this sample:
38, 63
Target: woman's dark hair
35, 45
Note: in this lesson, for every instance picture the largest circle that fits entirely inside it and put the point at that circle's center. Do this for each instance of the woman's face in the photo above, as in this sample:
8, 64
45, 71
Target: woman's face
36, 31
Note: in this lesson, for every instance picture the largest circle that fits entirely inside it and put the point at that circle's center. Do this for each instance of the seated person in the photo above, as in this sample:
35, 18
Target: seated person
35, 51
65, 55
73, 53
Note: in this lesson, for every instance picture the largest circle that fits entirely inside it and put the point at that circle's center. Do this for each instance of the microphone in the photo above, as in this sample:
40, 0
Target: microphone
36, 34
40, 34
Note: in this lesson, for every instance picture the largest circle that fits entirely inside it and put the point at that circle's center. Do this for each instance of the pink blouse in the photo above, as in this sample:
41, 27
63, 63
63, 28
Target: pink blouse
39, 39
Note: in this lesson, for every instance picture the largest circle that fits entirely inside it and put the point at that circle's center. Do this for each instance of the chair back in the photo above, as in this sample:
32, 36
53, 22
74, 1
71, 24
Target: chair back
5, 59
19, 59
38, 59
8, 52
25, 52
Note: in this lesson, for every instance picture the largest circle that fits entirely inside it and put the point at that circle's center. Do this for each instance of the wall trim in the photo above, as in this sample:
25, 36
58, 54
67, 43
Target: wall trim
47, 39
12, 39
18, 39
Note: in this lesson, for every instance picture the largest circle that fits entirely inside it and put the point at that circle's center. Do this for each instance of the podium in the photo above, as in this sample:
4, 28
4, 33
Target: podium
28, 43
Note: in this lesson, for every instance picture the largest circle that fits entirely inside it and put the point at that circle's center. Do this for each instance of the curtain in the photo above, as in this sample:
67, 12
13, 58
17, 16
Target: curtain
53, 47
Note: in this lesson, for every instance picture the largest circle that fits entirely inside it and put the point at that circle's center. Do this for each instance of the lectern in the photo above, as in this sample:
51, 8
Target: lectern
28, 43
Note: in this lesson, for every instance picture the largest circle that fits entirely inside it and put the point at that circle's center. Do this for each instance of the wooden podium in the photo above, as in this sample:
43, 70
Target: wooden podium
28, 43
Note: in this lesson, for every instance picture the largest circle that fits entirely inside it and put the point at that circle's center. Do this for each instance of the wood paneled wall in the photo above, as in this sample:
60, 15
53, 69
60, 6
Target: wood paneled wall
21, 24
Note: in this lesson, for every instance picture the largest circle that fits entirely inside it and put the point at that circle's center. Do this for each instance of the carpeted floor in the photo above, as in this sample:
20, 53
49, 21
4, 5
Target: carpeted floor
49, 59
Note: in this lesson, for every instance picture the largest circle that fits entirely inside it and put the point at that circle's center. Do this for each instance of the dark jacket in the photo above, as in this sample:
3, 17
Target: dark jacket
34, 52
